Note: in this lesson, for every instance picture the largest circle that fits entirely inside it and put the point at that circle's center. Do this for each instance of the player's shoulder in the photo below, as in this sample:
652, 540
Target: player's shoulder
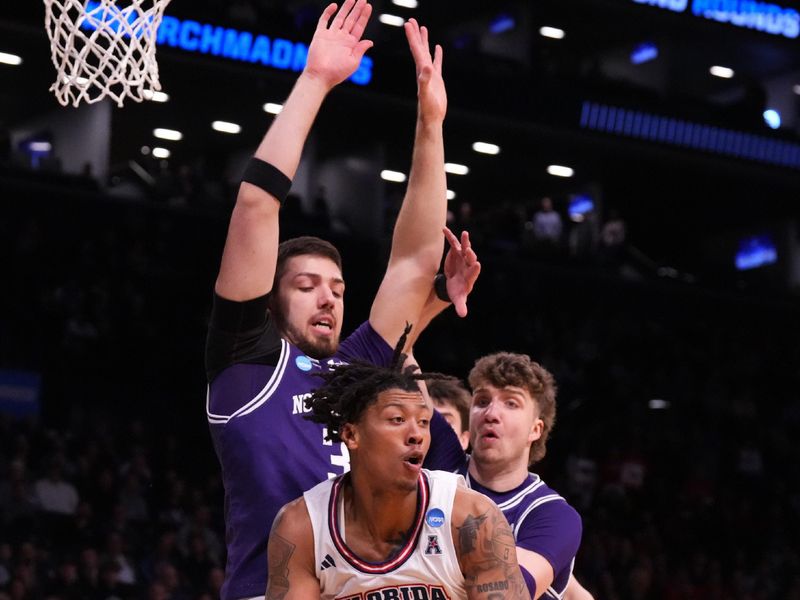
469, 503
440, 477
293, 520
292, 537
547, 495
545, 503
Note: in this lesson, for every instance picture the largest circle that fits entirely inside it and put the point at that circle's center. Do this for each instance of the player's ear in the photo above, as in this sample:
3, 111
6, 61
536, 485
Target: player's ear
349, 435
536, 431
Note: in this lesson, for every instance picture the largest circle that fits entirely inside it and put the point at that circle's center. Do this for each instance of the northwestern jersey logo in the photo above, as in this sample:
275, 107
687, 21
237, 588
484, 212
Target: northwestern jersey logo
435, 517
401, 592
303, 362
299, 406
327, 562
433, 545
335, 362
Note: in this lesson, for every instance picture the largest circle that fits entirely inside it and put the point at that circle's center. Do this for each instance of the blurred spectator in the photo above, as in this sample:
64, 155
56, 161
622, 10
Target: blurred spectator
612, 237
546, 224
53, 493
115, 553
65, 584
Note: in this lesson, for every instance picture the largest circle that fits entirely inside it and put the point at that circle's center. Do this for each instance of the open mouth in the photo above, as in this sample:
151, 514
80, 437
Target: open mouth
414, 459
323, 325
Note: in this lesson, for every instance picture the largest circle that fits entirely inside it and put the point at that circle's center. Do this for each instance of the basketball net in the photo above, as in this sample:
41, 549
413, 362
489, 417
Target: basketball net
103, 49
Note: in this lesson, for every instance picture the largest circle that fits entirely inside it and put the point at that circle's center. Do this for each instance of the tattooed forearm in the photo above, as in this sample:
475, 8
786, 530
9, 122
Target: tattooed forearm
487, 551
280, 551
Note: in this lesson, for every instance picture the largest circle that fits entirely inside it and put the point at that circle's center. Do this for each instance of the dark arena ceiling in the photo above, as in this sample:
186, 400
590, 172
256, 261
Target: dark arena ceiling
622, 91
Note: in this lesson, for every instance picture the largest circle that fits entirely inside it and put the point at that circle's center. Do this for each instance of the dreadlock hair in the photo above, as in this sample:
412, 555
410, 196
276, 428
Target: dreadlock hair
348, 390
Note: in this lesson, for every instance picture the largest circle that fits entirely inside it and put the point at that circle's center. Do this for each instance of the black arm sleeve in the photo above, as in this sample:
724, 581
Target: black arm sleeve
240, 332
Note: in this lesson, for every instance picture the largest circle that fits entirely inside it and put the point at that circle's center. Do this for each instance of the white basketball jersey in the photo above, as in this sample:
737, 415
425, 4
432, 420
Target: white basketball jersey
426, 568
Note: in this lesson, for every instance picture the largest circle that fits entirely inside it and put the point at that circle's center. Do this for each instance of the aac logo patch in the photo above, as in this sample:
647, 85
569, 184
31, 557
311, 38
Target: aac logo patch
433, 545
435, 517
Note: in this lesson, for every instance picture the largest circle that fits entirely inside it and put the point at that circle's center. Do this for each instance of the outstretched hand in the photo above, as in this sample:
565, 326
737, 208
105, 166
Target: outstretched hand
461, 269
431, 92
336, 49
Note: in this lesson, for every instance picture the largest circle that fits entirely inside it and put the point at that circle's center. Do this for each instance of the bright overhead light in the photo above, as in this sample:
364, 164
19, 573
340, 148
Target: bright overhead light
155, 96
10, 59
41, 146
486, 148
552, 32
456, 169
395, 176
225, 127
644, 52
161, 152
718, 71
450, 194
772, 118
392, 20
796, 89
273, 108
658, 404
560, 171
405, 3
167, 134
502, 23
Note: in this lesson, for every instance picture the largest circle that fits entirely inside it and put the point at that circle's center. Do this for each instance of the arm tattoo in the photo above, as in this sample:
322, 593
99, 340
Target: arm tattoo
488, 557
468, 532
280, 552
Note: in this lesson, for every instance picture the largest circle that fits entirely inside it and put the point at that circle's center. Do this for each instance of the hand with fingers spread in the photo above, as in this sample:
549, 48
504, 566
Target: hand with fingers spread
430, 85
461, 268
337, 48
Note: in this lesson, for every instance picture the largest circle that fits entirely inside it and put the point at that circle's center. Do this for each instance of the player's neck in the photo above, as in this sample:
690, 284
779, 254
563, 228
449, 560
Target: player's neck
498, 476
377, 515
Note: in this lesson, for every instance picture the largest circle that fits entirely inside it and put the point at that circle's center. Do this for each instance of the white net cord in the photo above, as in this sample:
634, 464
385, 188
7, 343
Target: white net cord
101, 48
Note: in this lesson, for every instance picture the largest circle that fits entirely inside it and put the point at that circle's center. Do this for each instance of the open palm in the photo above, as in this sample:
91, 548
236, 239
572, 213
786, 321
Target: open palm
336, 49
461, 269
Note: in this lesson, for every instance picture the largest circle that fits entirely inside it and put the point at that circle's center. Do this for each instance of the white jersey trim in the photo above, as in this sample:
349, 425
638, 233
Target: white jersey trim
535, 504
520, 496
560, 595
262, 396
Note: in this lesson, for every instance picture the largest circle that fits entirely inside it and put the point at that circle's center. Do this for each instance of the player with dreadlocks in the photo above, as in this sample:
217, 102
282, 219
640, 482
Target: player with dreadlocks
388, 528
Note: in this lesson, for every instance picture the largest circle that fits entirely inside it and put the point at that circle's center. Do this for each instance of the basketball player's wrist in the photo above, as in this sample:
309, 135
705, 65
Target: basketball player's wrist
440, 288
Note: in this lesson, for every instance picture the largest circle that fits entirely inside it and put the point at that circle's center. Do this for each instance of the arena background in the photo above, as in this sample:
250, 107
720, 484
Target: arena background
667, 307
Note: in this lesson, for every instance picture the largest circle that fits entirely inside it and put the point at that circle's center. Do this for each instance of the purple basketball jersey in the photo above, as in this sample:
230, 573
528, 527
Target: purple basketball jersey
269, 453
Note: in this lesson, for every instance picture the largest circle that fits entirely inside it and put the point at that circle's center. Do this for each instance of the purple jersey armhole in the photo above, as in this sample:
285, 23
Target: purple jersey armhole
529, 580
366, 344
560, 544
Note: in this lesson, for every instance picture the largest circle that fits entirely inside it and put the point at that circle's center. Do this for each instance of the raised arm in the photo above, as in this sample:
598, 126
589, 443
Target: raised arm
290, 555
417, 239
251, 248
486, 552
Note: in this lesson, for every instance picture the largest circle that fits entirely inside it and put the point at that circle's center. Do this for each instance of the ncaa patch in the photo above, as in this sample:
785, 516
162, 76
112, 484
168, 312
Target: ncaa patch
303, 362
435, 517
